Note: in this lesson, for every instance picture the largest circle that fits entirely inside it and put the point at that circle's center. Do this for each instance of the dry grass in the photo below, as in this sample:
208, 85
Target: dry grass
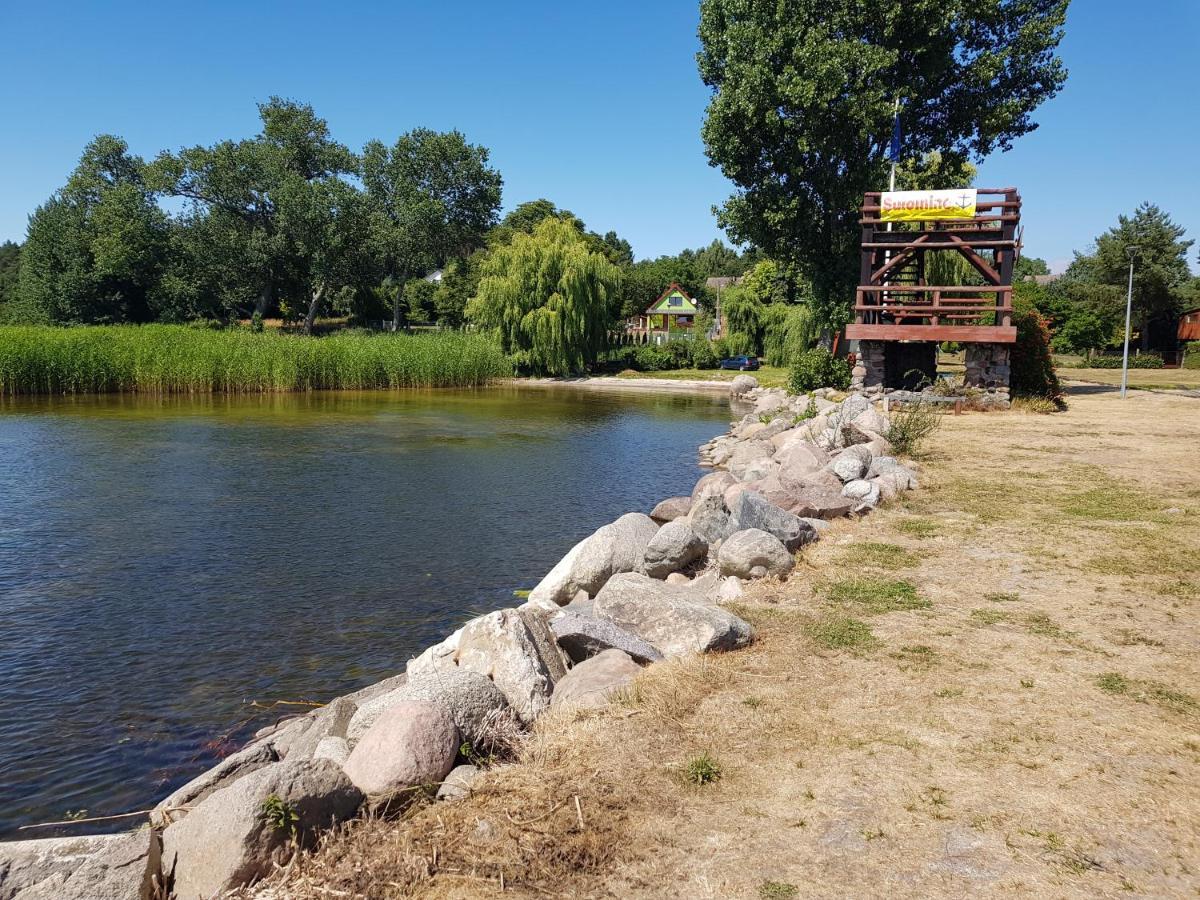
1029, 727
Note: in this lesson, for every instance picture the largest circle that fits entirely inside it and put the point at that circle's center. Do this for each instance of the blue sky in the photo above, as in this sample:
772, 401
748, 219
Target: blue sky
596, 106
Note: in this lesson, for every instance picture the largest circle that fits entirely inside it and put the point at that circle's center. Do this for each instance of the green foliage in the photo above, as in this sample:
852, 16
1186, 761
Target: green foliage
10, 269
790, 330
702, 769
704, 355
841, 633
96, 250
818, 368
1136, 361
745, 314
162, 359
280, 815
777, 890
877, 595
804, 92
419, 297
256, 322
1192, 358
739, 344
1029, 266
1032, 364
911, 425
547, 295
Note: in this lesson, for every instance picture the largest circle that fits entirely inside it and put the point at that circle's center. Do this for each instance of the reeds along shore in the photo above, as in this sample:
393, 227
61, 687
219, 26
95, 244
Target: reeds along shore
173, 359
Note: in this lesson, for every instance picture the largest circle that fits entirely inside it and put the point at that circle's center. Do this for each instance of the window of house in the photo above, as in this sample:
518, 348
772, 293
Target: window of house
674, 300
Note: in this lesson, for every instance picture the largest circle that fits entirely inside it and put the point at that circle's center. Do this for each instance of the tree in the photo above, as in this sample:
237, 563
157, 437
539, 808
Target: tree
438, 197
1160, 264
1029, 266
96, 250
548, 296
263, 205
803, 98
10, 268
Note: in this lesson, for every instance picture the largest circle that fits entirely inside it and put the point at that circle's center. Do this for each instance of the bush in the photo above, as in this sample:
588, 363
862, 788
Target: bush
1191, 359
1140, 361
649, 358
818, 368
911, 425
1032, 373
704, 355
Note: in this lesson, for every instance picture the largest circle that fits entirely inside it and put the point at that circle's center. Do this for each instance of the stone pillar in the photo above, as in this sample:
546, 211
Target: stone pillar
868, 369
988, 370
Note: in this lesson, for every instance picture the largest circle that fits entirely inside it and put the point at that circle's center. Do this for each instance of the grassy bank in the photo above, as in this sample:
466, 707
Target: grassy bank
165, 359
988, 689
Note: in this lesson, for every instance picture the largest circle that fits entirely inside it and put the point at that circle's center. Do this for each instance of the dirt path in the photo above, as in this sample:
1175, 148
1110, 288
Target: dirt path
989, 689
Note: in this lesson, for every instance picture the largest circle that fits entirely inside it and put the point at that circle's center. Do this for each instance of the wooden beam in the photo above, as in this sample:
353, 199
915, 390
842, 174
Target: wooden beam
977, 261
969, 334
904, 254
933, 245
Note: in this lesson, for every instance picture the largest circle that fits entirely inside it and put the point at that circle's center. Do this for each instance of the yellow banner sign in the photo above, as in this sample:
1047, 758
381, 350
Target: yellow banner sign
925, 206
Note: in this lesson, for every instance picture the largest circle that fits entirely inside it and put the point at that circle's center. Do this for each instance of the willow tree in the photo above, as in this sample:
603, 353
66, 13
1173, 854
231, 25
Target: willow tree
548, 296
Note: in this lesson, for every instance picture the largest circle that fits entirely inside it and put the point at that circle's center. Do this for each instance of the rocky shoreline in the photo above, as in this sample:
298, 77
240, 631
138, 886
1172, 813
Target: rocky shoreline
638, 590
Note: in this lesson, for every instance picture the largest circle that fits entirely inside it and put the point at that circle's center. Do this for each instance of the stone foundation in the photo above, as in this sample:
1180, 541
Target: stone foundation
988, 369
868, 370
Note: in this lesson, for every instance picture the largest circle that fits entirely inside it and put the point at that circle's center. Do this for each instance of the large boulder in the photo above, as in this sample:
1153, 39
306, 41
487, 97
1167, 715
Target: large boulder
872, 421
471, 698
769, 400
710, 520
592, 683
675, 546
749, 456
583, 637
866, 494
616, 547
753, 510
675, 619
807, 498
330, 720
412, 745
671, 509
754, 553
711, 485
230, 838
90, 867
849, 466
799, 457
515, 649
237, 765
742, 385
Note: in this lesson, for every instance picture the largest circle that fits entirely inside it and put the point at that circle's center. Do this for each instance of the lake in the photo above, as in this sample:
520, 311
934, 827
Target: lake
165, 563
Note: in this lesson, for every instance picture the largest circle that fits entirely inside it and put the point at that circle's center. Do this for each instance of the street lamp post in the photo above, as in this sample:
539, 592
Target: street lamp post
1132, 251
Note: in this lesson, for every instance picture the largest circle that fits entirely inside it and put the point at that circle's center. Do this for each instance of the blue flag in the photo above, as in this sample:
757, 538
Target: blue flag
894, 147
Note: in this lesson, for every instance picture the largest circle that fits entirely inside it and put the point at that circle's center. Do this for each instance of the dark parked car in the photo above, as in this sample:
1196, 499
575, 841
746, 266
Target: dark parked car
741, 363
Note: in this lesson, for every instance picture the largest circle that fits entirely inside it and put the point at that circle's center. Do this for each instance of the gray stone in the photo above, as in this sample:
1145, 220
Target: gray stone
818, 525
470, 697
676, 620
616, 547
866, 494
759, 468
754, 553
585, 636
710, 520
711, 485
674, 547
458, 783
854, 406
592, 683
229, 839
334, 749
753, 510
330, 720
515, 649
91, 867
800, 457
809, 500
412, 745
871, 421
849, 466
249, 759
746, 455
678, 578
671, 509
371, 691
742, 385
730, 589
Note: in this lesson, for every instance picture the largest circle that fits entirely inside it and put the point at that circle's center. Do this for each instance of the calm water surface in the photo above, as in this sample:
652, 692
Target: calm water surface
166, 562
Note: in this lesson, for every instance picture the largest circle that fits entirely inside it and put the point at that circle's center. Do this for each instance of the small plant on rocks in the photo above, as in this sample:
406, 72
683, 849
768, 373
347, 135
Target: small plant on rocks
280, 815
702, 769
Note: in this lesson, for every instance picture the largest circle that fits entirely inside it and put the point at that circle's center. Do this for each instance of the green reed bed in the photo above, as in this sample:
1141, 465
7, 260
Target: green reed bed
167, 359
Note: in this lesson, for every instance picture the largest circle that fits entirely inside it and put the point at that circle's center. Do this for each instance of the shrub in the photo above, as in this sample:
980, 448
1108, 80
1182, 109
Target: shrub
911, 425
1191, 359
1140, 361
1032, 373
818, 368
649, 358
704, 355
256, 322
